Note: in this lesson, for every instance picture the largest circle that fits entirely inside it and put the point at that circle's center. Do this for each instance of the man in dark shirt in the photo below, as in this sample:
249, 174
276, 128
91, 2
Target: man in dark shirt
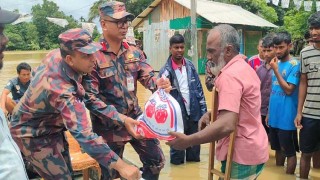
264, 73
16, 86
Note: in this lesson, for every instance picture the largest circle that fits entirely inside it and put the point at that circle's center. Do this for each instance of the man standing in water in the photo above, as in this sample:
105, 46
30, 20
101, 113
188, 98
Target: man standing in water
113, 82
238, 93
189, 94
264, 73
308, 114
283, 103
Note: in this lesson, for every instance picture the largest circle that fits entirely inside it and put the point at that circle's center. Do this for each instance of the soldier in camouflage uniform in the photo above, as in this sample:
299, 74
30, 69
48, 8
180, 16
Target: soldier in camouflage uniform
54, 103
114, 82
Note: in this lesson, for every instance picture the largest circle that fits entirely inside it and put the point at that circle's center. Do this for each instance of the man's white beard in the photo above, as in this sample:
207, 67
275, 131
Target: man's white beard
215, 69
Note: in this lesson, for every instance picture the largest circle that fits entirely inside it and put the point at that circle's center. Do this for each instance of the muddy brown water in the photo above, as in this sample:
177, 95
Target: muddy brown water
190, 171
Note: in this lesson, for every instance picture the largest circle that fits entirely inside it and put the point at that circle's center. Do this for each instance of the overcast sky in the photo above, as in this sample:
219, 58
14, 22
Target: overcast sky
76, 8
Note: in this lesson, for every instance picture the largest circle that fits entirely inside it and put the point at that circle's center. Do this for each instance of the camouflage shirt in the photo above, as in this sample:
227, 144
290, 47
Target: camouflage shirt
52, 104
107, 85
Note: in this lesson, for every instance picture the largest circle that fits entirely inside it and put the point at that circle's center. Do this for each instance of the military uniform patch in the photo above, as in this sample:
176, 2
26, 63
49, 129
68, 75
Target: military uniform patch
130, 57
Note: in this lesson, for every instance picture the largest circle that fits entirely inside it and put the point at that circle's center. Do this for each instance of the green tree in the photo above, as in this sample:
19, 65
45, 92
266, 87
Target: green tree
136, 7
96, 35
295, 21
23, 36
30, 36
16, 41
94, 10
49, 32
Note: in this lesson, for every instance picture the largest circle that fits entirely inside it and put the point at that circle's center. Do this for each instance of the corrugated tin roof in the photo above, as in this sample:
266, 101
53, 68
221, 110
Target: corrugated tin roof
215, 12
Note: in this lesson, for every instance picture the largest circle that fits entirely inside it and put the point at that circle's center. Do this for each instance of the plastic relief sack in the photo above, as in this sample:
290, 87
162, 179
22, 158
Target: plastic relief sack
162, 113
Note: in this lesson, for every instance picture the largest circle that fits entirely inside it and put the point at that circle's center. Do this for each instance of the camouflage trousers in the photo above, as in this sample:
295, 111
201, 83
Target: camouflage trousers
48, 155
150, 154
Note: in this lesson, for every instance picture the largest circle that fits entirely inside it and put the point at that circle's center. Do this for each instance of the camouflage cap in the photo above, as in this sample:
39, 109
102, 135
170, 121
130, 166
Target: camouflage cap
78, 39
114, 9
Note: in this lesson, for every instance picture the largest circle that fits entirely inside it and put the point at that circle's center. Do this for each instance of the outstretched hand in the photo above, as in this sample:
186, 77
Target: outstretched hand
204, 121
164, 83
130, 124
180, 142
127, 171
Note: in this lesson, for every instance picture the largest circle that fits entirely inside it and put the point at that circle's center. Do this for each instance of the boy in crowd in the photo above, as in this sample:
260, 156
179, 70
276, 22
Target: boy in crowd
283, 103
264, 73
256, 60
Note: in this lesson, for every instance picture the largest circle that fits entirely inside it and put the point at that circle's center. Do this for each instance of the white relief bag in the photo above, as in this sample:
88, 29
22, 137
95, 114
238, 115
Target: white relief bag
162, 113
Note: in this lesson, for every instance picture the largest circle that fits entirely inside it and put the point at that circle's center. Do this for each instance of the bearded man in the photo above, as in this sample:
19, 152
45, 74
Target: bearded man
239, 98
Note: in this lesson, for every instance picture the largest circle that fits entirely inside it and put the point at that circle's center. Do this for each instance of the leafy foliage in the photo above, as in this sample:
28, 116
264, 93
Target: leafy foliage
136, 7
94, 10
40, 33
49, 32
22, 36
295, 22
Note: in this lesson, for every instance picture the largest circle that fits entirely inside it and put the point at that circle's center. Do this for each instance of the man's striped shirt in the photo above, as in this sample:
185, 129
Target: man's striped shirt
310, 65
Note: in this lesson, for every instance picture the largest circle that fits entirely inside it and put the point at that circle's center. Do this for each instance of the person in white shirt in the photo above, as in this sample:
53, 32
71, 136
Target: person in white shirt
187, 90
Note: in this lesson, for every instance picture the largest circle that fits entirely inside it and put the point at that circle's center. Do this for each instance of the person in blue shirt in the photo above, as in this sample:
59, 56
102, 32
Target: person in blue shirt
283, 103
17, 87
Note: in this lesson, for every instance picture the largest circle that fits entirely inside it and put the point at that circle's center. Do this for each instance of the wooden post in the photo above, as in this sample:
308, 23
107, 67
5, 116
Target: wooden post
212, 170
194, 40
214, 112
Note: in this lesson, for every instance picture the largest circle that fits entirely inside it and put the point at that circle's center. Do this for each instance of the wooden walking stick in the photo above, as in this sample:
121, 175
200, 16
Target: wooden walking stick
212, 149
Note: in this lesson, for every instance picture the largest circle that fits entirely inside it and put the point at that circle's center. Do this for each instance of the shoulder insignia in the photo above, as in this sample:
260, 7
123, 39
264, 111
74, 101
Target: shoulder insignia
130, 57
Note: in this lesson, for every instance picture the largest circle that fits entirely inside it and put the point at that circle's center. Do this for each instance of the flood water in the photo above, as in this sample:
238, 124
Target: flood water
192, 171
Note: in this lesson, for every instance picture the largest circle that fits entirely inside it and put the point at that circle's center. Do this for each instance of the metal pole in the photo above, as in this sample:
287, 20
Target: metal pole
194, 40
